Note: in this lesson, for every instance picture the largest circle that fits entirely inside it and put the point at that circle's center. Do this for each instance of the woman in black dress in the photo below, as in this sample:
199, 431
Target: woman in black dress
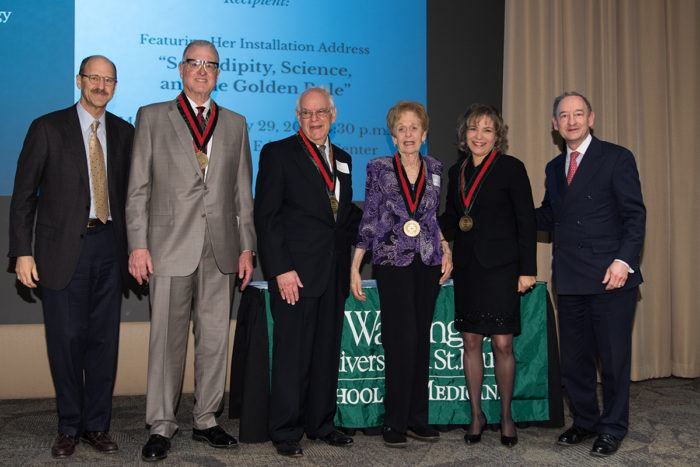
489, 206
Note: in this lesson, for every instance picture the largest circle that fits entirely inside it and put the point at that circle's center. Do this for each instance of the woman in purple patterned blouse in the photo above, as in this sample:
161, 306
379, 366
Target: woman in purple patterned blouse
411, 259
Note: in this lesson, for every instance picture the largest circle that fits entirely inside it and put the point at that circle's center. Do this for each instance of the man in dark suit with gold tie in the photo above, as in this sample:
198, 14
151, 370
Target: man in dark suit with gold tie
593, 205
71, 178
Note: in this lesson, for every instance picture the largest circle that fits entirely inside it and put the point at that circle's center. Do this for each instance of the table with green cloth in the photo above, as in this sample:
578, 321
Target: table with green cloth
537, 395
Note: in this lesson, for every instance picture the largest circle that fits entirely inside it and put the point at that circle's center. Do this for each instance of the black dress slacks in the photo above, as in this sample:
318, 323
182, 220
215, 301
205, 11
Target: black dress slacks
407, 298
82, 335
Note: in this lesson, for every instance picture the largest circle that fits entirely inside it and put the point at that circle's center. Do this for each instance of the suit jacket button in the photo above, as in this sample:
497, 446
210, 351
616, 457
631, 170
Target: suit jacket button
579, 222
579, 246
589, 197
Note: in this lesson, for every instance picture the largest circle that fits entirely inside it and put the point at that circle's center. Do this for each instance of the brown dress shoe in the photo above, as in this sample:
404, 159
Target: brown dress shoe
100, 440
64, 445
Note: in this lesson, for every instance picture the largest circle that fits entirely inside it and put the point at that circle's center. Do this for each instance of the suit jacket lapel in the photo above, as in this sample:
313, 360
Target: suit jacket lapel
308, 168
559, 177
111, 154
345, 188
311, 173
183, 136
220, 140
76, 145
588, 168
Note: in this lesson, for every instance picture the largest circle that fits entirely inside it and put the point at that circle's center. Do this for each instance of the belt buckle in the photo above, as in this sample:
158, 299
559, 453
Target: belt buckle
94, 223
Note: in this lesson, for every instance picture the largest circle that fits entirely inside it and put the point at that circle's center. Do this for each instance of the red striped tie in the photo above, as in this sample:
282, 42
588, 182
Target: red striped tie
572, 167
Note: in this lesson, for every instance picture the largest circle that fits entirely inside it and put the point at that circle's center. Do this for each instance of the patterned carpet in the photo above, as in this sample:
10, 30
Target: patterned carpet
664, 424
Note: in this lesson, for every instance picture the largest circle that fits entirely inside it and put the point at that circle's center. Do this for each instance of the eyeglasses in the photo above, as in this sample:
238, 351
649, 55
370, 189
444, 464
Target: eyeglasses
194, 65
320, 114
95, 79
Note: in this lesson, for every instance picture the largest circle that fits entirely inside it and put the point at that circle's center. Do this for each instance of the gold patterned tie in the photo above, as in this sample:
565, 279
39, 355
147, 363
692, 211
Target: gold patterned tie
98, 175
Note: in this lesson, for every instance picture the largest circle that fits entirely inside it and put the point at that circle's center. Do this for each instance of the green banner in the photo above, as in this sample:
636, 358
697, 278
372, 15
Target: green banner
361, 366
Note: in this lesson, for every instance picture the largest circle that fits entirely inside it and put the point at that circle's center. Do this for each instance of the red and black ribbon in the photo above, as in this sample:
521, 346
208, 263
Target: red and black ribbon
319, 160
200, 136
470, 189
411, 195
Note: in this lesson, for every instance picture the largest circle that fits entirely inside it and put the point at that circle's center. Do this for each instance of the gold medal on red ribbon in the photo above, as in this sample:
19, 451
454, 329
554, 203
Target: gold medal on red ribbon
411, 228
201, 135
466, 223
202, 160
411, 196
469, 190
326, 171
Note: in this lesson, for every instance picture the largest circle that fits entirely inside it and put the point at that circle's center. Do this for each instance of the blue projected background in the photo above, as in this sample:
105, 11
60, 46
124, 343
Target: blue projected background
369, 54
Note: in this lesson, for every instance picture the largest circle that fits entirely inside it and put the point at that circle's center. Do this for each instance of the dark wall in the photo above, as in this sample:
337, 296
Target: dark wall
464, 65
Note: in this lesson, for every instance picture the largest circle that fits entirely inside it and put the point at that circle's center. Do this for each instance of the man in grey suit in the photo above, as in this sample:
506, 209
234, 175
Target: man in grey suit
189, 214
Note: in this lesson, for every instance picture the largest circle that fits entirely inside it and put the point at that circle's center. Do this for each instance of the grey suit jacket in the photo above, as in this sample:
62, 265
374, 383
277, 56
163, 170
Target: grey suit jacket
169, 205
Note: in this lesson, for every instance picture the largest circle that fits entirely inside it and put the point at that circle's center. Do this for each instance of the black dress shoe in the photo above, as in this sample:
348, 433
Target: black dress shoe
423, 433
155, 449
63, 445
473, 439
575, 435
605, 445
393, 438
288, 448
215, 436
336, 438
509, 441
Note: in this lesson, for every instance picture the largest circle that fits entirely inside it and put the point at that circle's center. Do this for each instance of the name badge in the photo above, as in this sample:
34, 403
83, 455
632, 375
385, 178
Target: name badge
436, 180
342, 167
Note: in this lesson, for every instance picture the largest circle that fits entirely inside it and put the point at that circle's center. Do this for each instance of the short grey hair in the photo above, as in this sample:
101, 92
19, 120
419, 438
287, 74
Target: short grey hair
200, 43
322, 89
561, 97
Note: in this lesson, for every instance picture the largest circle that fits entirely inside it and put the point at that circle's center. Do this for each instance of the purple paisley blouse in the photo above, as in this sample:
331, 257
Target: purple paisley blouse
381, 229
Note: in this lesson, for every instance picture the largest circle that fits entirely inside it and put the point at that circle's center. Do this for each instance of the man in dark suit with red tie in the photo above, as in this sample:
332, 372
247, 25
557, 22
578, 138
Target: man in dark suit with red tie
305, 221
71, 178
593, 205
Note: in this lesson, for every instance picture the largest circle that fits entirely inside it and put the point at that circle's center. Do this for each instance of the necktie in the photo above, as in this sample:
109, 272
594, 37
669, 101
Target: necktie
200, 119
200, 116
98, 175
322, 149
572, 167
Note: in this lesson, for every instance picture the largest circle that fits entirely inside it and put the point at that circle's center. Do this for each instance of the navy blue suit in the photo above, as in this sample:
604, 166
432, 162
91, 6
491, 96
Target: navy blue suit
600, 217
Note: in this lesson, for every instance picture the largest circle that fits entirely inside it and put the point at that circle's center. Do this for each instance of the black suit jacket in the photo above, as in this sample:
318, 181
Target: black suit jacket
52, 184
294, 222
504, 218
600, 217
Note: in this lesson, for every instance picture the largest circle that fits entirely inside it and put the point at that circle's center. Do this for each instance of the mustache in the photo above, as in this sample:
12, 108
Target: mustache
99, 91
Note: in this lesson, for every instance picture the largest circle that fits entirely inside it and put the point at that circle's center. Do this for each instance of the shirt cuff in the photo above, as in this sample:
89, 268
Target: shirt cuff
629, 269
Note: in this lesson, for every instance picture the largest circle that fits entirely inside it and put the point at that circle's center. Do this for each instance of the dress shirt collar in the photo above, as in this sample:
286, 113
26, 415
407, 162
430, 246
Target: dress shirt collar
86, 119
582, 148
194, 106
